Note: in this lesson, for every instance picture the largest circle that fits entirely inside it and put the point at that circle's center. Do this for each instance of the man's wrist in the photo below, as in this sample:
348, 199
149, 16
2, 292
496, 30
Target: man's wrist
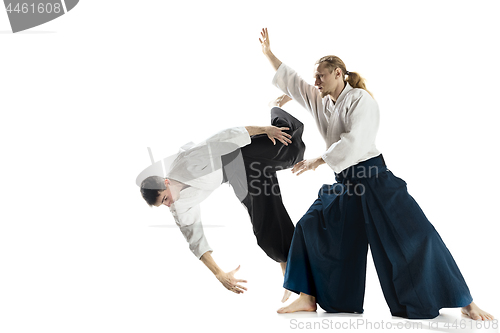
218, 273
275, 62
207, 259
320, 161
256, 130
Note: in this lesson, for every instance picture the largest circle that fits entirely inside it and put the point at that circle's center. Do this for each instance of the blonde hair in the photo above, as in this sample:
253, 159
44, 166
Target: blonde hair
354, 79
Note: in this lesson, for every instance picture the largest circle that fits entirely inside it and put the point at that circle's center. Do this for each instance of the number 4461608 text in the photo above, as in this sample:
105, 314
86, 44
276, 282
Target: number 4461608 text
40, 8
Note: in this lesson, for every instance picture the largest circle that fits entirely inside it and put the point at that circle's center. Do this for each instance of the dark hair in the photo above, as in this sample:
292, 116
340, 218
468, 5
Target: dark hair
151, 188
355, 80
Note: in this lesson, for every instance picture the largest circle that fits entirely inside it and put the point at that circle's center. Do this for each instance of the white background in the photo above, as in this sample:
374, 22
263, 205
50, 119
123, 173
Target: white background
84, 95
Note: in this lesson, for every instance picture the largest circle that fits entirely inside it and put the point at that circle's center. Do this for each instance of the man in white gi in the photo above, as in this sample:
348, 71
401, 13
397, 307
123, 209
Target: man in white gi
348, 117
195, 173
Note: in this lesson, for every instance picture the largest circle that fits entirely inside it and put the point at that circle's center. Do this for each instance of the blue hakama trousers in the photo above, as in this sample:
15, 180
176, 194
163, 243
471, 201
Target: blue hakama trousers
369, 205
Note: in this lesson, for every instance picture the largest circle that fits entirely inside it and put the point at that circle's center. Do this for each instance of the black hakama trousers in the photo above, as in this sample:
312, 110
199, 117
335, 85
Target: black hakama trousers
369, 205
272, 226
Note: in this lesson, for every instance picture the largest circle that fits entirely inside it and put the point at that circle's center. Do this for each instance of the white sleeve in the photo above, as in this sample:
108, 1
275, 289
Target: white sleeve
237, 136
197, 166
362, 121
298, 89
190, 225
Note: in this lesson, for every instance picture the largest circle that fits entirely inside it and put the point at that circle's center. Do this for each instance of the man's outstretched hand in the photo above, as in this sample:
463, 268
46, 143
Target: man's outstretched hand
266, 49
230, 282
305, 165
274, 132
264, 42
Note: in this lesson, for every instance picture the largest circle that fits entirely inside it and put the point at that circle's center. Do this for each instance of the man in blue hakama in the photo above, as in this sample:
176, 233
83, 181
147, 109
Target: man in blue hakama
367, 205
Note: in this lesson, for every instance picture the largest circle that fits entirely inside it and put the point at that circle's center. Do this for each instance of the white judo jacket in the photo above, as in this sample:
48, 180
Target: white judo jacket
199, 166
349, 126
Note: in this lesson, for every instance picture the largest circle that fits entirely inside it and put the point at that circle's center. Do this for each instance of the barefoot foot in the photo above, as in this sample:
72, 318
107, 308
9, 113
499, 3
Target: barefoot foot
287, 292
475, 313
286, 296
303, 303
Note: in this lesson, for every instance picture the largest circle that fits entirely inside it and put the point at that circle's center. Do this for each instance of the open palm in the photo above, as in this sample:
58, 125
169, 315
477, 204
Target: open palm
264, 42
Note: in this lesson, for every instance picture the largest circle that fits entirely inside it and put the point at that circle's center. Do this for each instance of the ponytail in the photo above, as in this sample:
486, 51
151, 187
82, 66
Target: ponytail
354, 79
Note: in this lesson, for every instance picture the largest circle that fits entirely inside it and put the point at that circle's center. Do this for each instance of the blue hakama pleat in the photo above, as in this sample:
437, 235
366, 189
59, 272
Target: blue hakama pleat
369, 205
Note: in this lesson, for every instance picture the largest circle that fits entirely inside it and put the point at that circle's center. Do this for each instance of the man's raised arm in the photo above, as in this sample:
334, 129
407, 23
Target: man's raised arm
266, 49
288, 81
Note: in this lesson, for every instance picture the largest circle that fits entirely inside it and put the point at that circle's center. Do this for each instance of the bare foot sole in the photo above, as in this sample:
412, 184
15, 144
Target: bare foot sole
475, 313
302, 303
286, 296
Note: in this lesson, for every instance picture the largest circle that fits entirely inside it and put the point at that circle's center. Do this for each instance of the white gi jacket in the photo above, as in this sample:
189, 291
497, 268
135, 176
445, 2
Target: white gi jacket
200, 167
348, 126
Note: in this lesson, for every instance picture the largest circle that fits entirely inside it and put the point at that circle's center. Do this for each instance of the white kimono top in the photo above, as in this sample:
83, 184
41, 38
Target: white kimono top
199, 166
348, 126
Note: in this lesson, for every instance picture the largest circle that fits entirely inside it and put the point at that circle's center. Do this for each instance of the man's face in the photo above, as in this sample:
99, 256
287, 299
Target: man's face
324, 80
168, 196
